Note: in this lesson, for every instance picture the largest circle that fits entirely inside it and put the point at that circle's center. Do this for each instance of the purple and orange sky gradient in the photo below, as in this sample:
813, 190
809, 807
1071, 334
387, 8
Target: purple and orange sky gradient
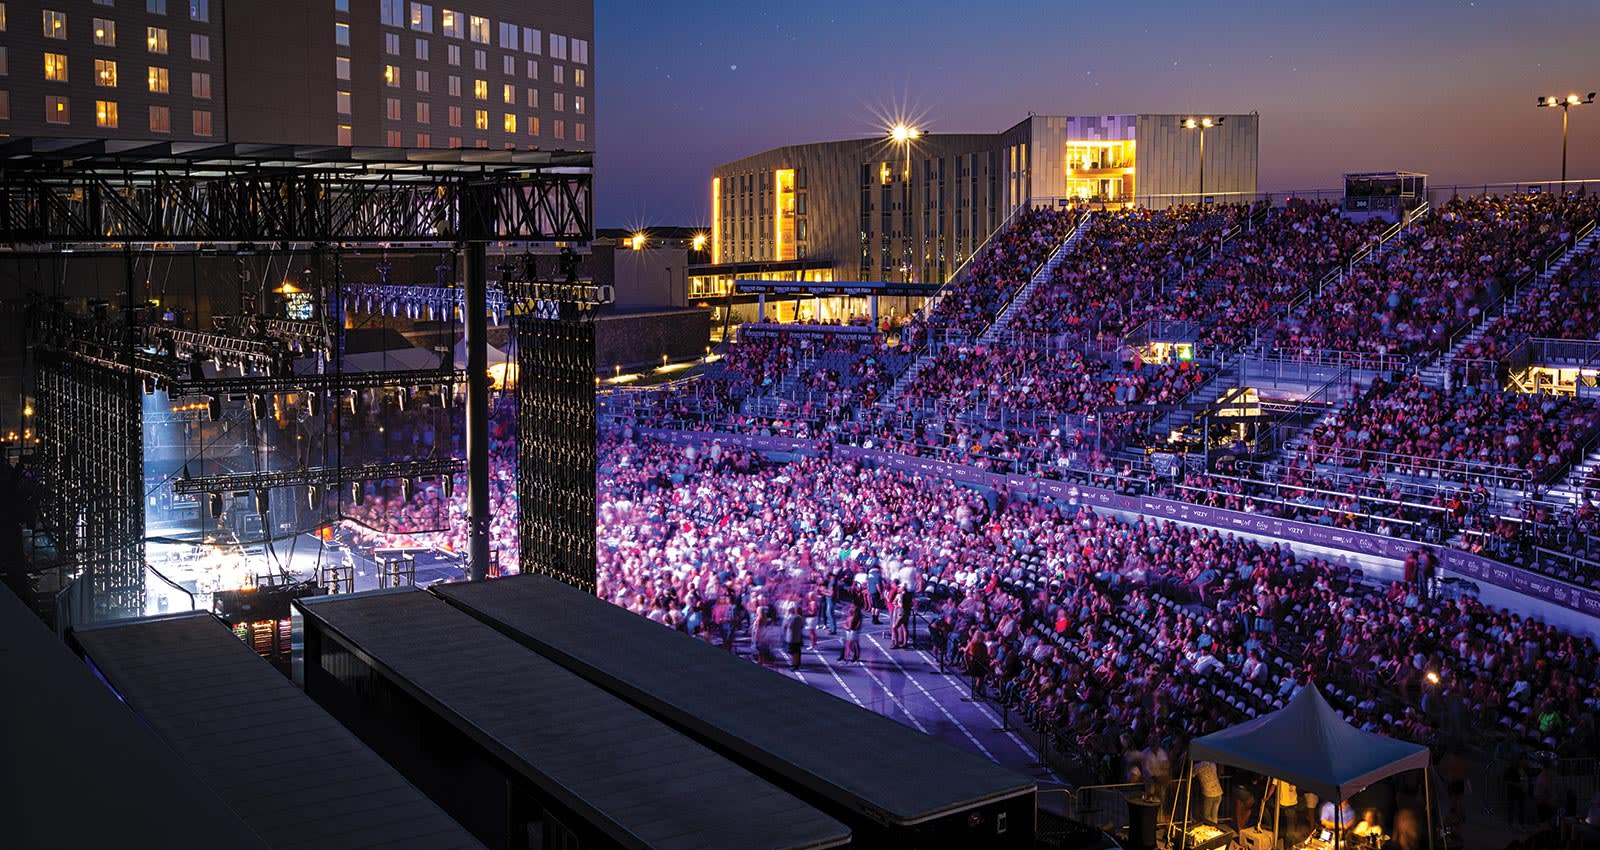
1442, 86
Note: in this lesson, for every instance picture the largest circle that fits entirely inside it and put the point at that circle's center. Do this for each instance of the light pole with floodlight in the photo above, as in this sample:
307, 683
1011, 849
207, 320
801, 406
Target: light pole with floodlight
1571, 100
1202, 124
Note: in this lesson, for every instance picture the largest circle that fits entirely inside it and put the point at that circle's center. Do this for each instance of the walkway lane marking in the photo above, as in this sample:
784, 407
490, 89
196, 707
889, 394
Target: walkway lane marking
980, 705
829, 667
951, 717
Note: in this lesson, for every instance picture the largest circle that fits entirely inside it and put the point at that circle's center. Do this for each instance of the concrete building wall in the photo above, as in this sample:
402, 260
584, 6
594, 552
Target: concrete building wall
1169, 160
855, 207
631, 340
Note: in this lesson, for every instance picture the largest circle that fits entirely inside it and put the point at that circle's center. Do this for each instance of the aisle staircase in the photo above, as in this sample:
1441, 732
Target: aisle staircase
1434, 373
1041, 277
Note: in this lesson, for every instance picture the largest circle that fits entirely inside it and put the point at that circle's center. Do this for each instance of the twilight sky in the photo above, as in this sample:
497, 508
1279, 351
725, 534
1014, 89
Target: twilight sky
1441, 86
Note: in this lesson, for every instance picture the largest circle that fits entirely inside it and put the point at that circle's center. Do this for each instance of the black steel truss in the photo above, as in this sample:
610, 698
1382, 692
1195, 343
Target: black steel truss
556, 448
60, 193
319, 476
328, 382
92, 462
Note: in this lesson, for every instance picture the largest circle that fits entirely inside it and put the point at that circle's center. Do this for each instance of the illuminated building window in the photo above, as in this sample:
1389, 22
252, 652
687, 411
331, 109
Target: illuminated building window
157, 80
160, 119
422, 17
508, 94
55, 24
577, 77
533, 125
480, 119
57, 110
341, 34
341, 67
346, 135
392, 138
391, 76
155, 40
480, 89
341, 102
105, 33
577, 105
510, 123
105, 113
451, 24
55, 67
478, 29
424, 140
202, 122
105, 73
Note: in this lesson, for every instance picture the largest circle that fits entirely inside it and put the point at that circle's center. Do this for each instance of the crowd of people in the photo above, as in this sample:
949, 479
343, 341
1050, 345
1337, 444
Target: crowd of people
1469, 433
1107, 633
1439, 275
1054, 381
1567, 308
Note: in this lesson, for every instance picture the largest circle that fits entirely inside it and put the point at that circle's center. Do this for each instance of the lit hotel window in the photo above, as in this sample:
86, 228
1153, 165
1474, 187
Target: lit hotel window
346, 135
341, 102
56, 110
160, 119
55, 24
105, 73
508, 94
480, 89
155, 40
479, 29
341, 67
422, 17
105, 113
452, 24
480, 119
55, 67
391, 76
157, 80
510, 123
105, 33
202, 123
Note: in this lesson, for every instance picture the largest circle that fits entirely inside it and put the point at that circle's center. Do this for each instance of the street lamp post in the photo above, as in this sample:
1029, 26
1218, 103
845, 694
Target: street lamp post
1202, 125
1571, 100
903, 135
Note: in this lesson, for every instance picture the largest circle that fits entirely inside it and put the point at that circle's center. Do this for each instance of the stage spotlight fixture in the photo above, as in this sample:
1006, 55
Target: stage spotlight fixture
313, 496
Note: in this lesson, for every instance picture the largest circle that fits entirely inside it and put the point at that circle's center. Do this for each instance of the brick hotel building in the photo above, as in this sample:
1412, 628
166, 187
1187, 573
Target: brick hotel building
477, 73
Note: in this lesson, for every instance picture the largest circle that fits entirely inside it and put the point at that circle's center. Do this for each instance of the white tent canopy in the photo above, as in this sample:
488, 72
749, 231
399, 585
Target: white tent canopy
1307, 744
496, 356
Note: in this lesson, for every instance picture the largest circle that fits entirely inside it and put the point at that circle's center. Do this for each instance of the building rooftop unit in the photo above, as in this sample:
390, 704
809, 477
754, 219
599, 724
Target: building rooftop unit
775, 721
290, 771
634, 779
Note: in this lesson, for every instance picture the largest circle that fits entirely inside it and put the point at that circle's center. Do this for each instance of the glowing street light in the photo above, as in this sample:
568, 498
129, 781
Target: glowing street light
1202, 124
903, 135
699, 242
1551, 101
637, 241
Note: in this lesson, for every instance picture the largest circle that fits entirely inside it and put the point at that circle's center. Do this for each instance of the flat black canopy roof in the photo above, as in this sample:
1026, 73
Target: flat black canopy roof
642, 782
292, 772
80, 770
902, 776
